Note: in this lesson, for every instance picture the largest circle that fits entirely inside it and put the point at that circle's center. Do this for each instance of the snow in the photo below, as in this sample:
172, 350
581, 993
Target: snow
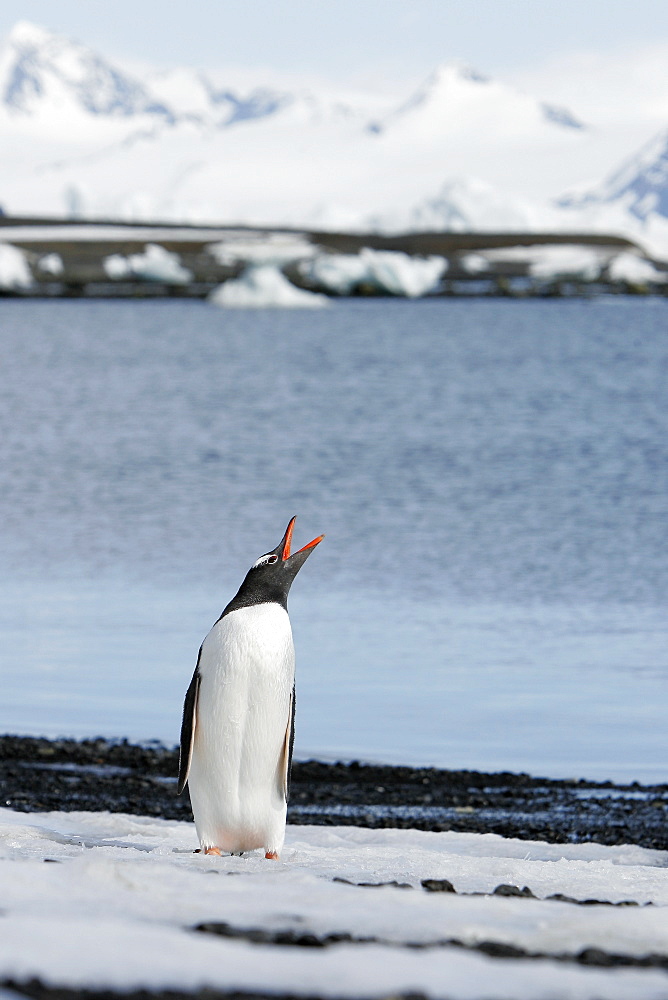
263, 286
154, 264
388, 271
14, 270
131, 885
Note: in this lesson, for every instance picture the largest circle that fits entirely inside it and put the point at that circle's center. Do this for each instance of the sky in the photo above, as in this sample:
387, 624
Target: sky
360, 42
605, 60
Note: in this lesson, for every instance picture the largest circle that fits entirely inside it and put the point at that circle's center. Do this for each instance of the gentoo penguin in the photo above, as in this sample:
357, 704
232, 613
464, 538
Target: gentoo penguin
238, 717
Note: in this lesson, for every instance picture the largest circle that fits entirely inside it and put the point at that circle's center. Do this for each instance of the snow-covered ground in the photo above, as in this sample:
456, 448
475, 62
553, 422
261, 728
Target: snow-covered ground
119, 906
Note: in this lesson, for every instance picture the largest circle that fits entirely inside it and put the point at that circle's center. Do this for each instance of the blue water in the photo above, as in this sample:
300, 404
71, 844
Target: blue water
491, 477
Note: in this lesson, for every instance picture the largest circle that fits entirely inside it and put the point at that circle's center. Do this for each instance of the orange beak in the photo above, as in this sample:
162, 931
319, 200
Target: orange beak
288, 541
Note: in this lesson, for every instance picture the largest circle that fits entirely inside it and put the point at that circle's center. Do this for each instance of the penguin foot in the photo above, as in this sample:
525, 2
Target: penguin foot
271, 856
213, 850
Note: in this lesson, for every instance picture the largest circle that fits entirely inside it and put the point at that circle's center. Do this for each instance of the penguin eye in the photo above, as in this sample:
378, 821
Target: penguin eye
267, 560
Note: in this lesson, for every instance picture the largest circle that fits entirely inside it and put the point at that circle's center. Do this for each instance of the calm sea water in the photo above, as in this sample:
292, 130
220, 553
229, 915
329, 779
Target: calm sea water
491, 477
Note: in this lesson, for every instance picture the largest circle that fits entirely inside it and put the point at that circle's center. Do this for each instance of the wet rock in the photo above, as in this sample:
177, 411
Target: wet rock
513, 890
374, 885
289, 938
437, 885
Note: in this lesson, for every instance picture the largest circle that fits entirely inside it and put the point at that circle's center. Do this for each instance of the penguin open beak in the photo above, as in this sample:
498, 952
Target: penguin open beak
284, 547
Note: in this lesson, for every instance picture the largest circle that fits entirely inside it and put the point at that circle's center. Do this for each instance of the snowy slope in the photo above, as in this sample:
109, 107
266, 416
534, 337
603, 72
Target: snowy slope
131, 887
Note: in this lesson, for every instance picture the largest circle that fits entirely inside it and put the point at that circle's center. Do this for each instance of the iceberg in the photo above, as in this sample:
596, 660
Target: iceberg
546, 262
391, 272
14, 271
264, 286
400, 274
474, 263
155, 264
339, 274
565, 261
51, 263
635, 270
117, 267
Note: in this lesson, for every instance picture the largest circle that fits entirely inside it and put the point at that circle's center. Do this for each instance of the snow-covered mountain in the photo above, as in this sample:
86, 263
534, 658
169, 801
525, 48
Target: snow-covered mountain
83, 136
456, 97
640, 184
219, 106
633, 198
43, 73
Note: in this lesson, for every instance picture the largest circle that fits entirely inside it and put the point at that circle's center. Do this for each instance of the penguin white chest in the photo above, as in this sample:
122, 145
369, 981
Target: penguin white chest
242, 732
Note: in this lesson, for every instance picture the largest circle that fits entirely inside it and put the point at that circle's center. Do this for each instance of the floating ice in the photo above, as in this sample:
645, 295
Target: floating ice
155, 264
131, 886
51, 263
158, 264
117, 267
14, 270
263, 286
474, 263
401, 274
636, 270
338, 273
389, 271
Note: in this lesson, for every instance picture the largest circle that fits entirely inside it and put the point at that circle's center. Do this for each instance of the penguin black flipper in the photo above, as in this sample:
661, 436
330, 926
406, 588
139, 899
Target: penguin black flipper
285, 761
188, 726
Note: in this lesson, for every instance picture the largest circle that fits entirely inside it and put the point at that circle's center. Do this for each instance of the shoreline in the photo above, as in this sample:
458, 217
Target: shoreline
42, 775
107, 259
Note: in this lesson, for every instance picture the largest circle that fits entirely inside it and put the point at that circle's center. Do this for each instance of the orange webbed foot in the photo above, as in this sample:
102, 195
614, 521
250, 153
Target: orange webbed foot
271, 856
213, 850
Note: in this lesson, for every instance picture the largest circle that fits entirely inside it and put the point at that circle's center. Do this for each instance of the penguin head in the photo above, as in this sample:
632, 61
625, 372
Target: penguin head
270, 577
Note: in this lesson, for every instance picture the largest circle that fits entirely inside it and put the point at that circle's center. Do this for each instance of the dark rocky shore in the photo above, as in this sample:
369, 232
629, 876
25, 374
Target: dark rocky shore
42, 775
